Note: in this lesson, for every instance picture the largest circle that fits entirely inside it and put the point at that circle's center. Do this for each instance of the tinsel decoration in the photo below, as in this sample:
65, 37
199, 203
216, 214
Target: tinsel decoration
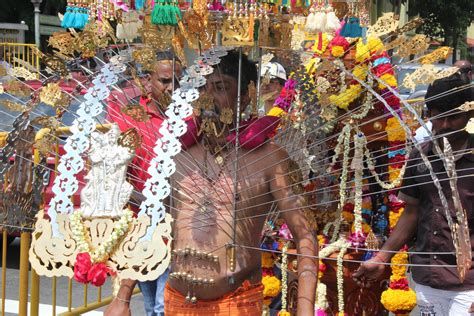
76, 16
165, 12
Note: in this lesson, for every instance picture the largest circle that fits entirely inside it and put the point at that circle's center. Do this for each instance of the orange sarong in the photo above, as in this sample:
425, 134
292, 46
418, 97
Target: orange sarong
246, 300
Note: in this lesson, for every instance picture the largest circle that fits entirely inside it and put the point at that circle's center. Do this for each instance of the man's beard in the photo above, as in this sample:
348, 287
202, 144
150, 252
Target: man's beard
451, 134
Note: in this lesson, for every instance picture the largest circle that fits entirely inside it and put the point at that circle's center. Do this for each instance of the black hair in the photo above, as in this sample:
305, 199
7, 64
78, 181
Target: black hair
281, 81
166, 55
229, 65
449, 93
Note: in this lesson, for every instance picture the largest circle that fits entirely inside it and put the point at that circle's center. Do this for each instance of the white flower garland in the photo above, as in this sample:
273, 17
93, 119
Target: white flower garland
344, 137
366, 106
284, 277
321, 297
104, 250
358, 167
340, 64
331, 248
370, 164
340, 277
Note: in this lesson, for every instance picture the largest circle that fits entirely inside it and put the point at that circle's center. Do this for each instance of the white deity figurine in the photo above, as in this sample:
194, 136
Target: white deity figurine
106, 191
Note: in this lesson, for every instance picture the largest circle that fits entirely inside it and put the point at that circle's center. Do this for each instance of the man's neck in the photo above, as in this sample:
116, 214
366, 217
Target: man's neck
458, 143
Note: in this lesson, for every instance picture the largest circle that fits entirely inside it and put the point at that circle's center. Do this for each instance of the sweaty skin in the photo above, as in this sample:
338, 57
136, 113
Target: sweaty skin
203, 210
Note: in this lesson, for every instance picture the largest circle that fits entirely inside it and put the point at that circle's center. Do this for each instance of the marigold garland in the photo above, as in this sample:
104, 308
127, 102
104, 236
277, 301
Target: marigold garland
399, 298
276, 111
399, 268
337, 51
389, 79
320, 43
271, 286
399, 301
360, 71
344, 99
394, 130
364, 51
393, 218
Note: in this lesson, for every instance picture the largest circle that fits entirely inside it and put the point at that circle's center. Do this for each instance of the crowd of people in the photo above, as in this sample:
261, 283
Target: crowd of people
422, 225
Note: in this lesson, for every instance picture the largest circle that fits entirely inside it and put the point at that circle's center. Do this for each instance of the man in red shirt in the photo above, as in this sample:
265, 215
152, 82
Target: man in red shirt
161, 81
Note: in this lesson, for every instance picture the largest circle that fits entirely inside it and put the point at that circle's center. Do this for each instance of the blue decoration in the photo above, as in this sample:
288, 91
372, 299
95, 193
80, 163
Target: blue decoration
68, 18
381, 61
75, 17
139, 4
368, 255
351, 28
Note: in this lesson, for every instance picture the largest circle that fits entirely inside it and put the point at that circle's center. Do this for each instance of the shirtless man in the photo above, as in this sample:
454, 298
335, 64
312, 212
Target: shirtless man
203, 281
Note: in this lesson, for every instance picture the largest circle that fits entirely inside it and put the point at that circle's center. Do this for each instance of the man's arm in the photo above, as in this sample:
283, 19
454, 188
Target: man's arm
121, 303
403, 232
290, 207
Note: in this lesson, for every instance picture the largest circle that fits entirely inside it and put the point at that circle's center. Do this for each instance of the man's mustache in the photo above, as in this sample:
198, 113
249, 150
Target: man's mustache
446, 132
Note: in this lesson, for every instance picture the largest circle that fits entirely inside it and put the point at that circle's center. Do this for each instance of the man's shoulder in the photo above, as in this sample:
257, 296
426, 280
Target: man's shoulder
424, 147
271, 150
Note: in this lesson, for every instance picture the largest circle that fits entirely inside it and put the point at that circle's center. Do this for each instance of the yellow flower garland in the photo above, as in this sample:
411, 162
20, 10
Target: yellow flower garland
399, 268
348, 217
399, 300
389, 79
393, 173
393, 218
276, 111
394, 130
271, 286
325, 42
337, 51
344, 99
360, 72
364, 51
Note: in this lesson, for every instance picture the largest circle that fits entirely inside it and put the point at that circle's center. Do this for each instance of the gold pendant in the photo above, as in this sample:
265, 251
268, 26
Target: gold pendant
219, 160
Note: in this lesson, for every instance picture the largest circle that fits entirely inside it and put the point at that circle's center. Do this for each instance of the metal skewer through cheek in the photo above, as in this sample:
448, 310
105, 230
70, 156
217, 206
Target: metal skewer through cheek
231, 256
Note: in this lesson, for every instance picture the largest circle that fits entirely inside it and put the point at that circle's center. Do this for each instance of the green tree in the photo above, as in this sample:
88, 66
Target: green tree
446, 20
15, 11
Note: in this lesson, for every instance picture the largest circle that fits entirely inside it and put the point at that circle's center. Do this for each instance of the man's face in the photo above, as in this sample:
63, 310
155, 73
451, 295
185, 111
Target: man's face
223, 88
273, 87
162, 78
451, 123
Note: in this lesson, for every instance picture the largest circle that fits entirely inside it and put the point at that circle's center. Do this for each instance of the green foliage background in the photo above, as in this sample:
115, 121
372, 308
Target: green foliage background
15, 11
445, 19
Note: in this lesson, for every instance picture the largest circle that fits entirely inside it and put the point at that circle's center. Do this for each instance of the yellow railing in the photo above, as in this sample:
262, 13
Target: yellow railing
19, 55
87, 305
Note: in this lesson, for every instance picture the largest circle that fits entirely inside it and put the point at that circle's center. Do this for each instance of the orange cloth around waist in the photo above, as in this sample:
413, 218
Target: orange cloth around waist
246, 300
